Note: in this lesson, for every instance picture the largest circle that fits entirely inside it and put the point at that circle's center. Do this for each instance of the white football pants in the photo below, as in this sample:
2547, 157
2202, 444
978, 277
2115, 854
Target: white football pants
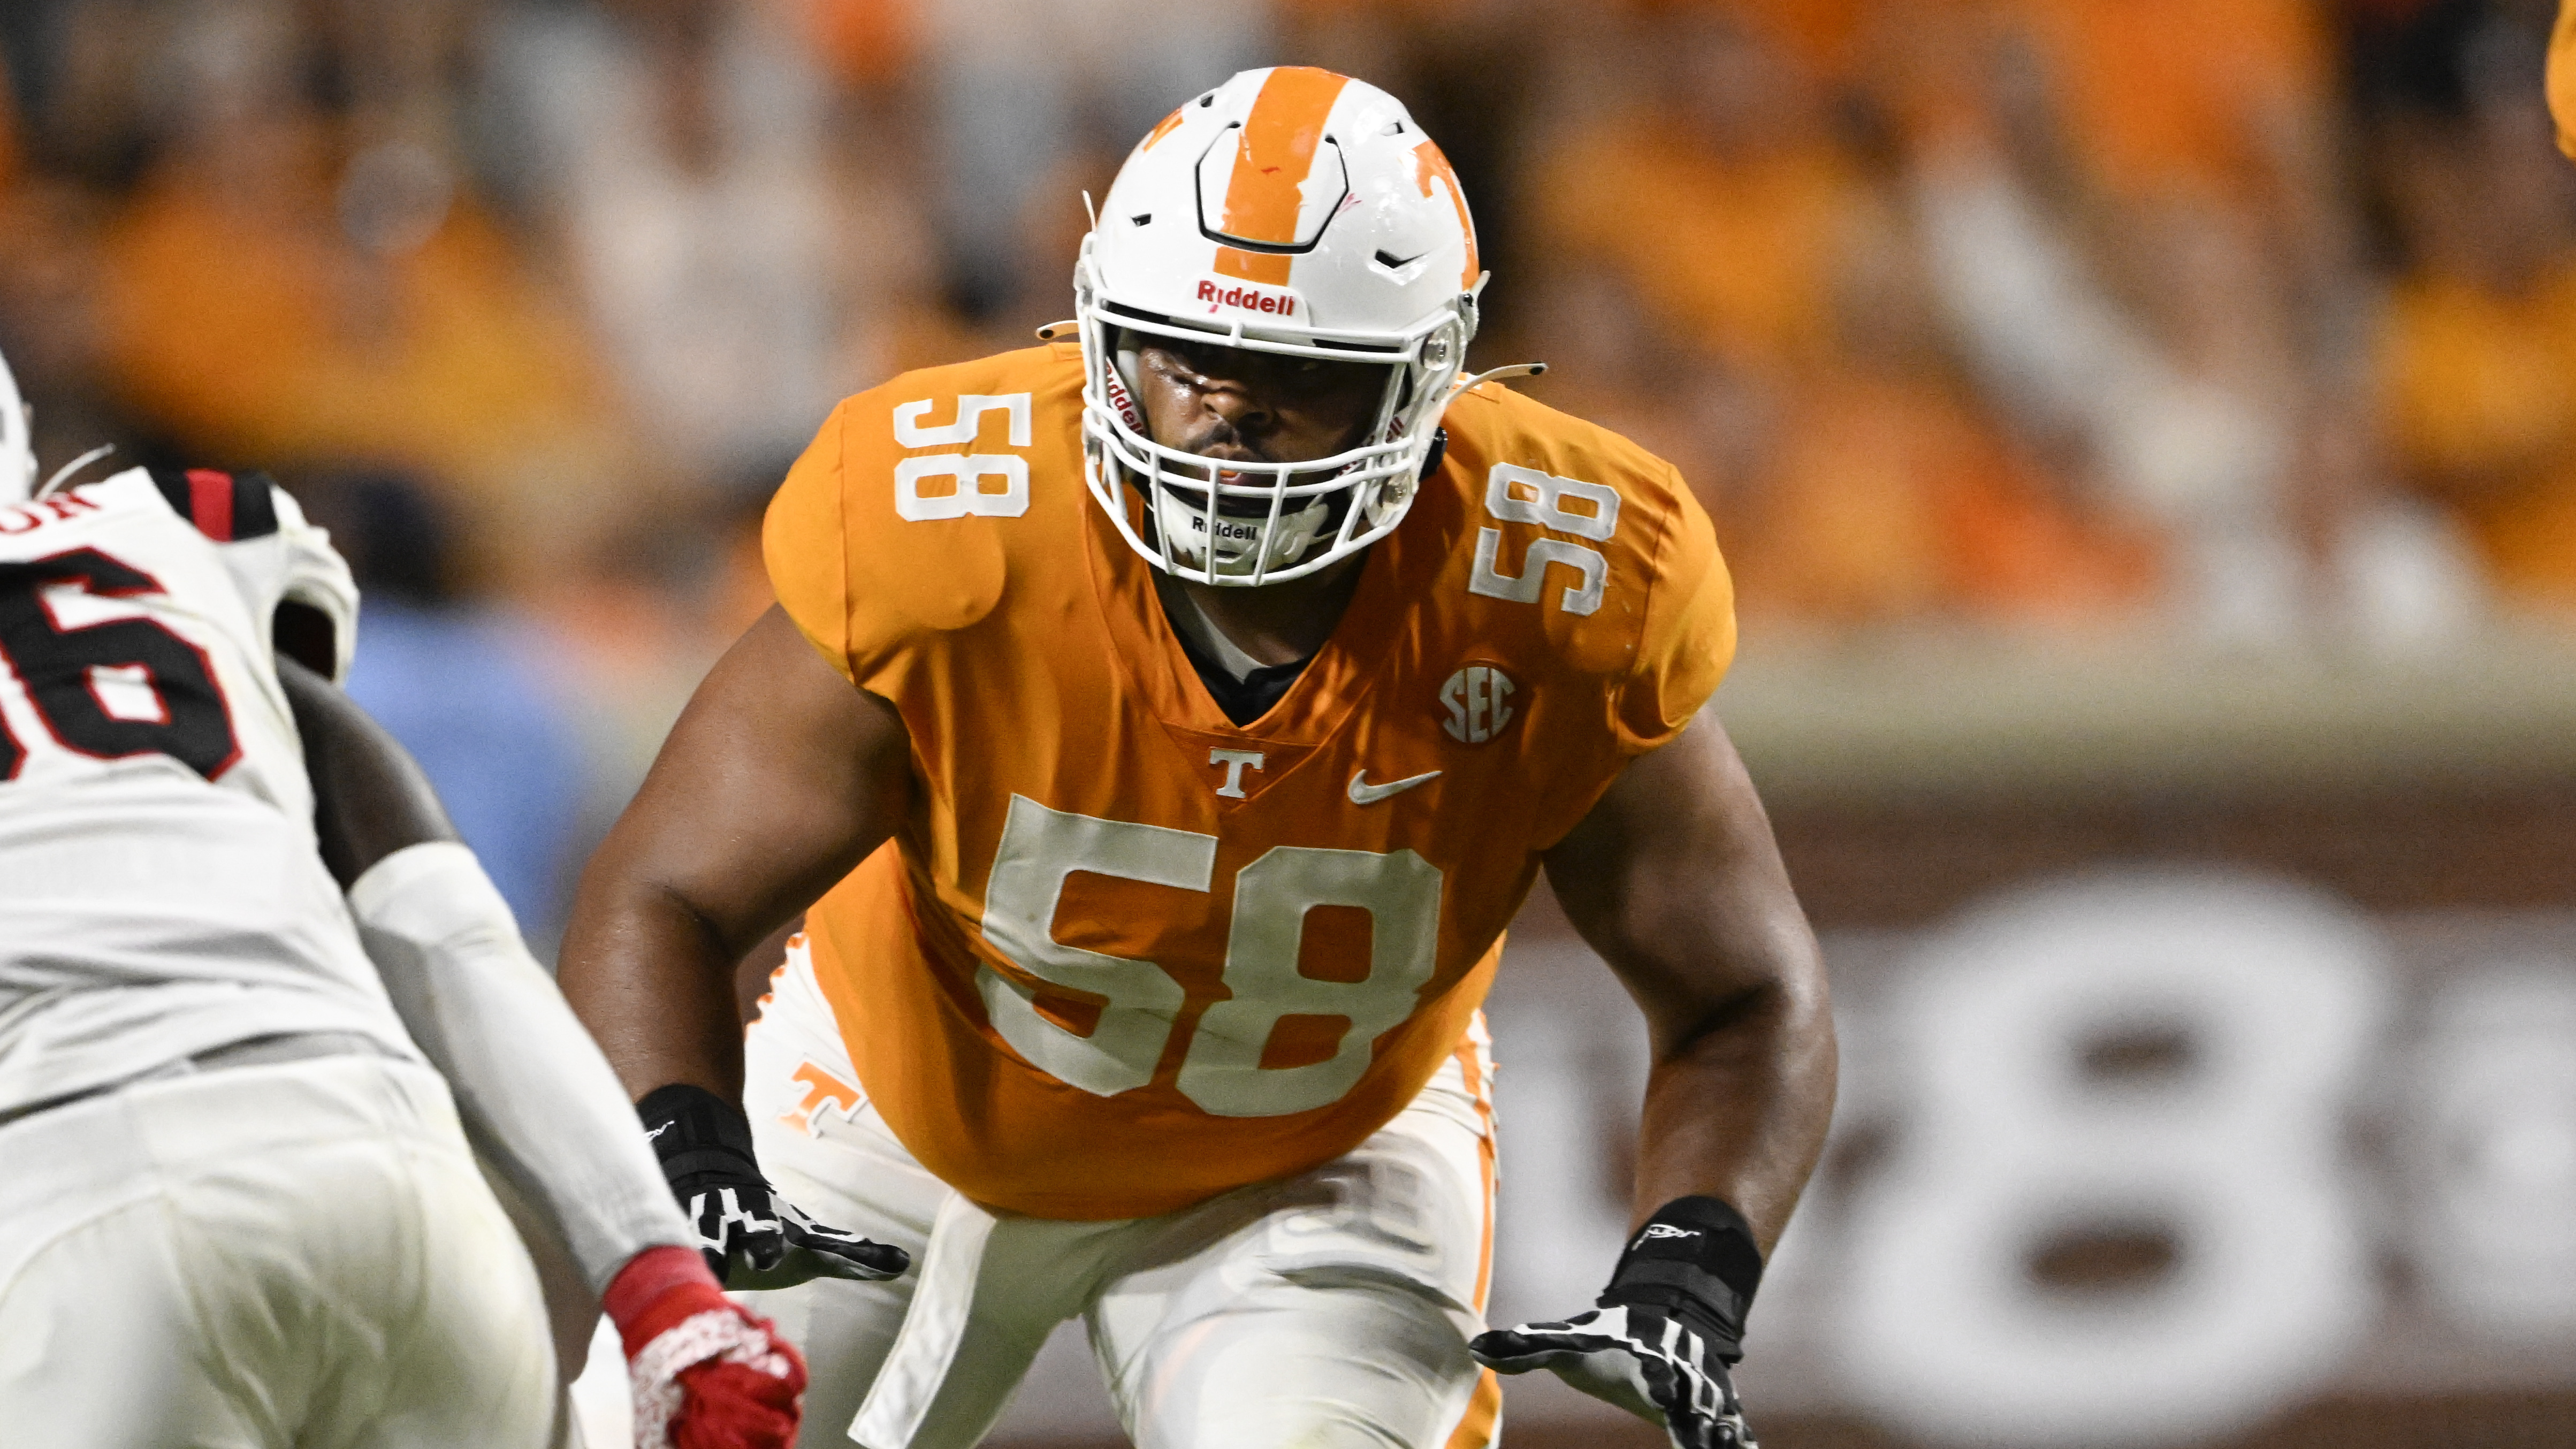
292, 1254
1330, 1310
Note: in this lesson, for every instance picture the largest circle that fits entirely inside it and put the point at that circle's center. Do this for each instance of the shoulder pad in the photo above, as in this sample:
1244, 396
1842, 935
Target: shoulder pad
225, 507
299, 567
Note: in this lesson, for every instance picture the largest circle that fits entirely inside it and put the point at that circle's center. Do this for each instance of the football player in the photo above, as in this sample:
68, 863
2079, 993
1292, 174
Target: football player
255, 1002
1159, 729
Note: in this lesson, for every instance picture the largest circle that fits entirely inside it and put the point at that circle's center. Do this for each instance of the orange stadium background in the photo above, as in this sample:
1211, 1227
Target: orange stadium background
2144, 433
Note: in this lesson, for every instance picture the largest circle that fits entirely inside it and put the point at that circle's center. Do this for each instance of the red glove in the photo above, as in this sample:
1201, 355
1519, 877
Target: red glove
707, 1375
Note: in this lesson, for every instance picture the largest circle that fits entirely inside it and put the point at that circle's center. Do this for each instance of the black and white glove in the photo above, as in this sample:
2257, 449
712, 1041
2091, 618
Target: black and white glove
1665, 1331
752, 1237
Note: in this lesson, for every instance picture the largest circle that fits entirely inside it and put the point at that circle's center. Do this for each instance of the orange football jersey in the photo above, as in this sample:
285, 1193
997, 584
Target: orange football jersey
1122, 955
2560, 81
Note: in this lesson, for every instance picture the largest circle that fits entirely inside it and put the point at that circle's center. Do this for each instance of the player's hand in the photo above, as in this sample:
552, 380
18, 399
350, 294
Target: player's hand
1638, 1358
706, 1374
1663, 1334
752, 1237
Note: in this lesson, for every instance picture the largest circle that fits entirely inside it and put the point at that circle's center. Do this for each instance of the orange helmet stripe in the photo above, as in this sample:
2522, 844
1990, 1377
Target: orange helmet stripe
1161, 129
1429, 162
1278, 150
1268, 268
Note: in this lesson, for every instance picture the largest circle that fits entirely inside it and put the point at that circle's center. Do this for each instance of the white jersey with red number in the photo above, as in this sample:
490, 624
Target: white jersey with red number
160, 890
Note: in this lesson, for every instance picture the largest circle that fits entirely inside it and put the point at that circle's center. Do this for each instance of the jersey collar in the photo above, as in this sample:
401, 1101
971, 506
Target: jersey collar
1336, 681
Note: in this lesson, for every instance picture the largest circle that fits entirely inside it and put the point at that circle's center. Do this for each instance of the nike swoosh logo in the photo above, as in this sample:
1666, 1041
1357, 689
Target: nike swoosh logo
1364, 793
658, 1131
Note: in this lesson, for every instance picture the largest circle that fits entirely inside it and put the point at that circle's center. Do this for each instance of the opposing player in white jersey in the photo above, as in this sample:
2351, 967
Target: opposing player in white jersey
239, 1206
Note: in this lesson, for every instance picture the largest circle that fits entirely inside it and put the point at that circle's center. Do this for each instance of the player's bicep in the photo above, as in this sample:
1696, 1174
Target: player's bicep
779, 778
1673, 876
370, 797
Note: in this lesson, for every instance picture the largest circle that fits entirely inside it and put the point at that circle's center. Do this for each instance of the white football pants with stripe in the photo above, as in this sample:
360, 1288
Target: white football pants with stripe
251, 1257
1324, 1310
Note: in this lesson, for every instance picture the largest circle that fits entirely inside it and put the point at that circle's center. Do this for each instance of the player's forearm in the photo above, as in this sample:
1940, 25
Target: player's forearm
533, 1092
1675, 879
652, 978
1737, 1108
532, 1088
778, 779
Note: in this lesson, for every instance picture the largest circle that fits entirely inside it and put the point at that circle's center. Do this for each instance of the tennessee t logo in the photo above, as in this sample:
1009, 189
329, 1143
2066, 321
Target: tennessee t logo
821, 1089
1234, 761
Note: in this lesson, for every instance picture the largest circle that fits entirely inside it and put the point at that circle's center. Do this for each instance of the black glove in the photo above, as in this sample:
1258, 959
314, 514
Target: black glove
752, 1237
1665, 1330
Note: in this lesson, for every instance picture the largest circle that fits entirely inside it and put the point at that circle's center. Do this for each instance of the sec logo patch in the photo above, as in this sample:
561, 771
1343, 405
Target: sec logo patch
1477, 700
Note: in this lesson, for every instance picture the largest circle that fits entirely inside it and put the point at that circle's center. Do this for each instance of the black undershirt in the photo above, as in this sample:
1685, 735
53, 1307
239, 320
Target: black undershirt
1249, 698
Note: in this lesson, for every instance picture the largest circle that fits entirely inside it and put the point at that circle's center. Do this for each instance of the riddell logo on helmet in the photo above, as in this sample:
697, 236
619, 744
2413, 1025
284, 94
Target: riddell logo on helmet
1276, 304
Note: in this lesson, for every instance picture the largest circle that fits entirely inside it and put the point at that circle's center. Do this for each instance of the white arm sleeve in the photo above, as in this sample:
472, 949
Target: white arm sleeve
534, 1091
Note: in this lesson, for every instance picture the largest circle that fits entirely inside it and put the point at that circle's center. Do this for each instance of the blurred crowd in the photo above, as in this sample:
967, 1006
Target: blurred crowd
2222, 324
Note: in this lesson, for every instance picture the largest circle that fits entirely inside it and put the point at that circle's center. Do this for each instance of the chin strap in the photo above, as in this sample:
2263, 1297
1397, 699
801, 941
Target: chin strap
74, 466
1432, 456
1495, 374
1439, 449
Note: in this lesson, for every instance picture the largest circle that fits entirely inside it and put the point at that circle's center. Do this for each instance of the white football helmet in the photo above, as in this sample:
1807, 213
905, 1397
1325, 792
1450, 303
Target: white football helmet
1289, 211
17, 448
